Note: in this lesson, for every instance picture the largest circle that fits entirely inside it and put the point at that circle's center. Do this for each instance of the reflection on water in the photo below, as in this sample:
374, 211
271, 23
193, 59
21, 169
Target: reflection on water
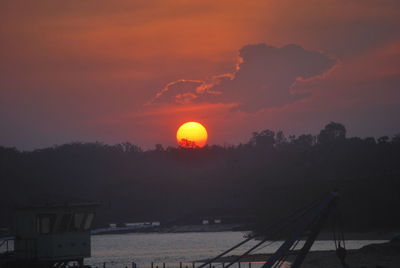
120, 250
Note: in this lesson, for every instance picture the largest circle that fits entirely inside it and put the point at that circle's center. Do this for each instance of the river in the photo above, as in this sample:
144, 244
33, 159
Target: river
120, 250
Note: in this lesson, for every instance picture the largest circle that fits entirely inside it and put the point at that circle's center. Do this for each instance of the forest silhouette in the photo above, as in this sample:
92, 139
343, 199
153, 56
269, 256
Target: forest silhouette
261, 180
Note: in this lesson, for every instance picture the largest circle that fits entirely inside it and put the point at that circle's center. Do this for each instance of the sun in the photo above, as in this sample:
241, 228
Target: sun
191, 135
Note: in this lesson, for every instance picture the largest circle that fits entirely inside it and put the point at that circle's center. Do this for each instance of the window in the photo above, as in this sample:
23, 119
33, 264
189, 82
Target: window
88, 221
45, 223
78, 221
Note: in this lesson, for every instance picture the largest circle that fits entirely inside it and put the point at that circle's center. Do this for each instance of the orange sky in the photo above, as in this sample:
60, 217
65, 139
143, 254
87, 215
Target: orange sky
89, 70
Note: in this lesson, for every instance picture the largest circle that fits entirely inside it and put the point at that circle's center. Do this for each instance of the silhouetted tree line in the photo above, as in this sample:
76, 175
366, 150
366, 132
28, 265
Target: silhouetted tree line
264, 179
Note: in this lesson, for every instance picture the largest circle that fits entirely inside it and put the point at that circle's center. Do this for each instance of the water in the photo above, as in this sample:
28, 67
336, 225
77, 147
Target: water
120, 250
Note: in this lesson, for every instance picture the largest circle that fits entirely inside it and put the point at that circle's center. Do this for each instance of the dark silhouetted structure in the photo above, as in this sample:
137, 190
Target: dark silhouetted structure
50, 236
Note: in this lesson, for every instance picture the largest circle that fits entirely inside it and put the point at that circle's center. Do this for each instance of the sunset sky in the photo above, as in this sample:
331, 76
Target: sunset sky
134, 70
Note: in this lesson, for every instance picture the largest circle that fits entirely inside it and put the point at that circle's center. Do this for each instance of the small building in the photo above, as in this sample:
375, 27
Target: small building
52, 236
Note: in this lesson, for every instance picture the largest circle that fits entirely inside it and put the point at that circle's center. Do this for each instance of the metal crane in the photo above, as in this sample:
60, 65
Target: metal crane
304, 224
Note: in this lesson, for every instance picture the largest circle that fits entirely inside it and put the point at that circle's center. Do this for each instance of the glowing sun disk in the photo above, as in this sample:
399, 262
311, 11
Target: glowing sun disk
191, 135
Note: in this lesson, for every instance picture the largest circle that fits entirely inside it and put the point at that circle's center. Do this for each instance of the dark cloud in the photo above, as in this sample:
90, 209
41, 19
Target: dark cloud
264, 78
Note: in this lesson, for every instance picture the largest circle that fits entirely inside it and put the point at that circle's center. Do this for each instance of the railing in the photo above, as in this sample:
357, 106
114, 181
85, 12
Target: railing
244, 264
5, 245
26, 248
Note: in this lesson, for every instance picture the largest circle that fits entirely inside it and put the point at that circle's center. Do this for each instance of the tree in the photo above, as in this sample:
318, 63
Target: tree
396, 139
128, 147
280, 139
159, 147
265, 138
383, 139
332, 132
304, 141
185, 143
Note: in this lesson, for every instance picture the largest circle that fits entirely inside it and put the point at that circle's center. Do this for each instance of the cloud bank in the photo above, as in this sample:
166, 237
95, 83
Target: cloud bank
264, 78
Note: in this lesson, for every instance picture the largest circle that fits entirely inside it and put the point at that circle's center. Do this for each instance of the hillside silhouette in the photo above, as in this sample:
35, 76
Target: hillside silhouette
267, 177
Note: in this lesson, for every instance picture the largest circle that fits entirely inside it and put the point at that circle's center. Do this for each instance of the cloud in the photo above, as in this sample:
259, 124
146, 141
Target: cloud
182, 91
264, 78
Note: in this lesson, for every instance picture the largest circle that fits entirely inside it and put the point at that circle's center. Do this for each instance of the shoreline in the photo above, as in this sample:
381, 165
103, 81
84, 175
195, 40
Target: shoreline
324, 235
174, 229
370, 235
